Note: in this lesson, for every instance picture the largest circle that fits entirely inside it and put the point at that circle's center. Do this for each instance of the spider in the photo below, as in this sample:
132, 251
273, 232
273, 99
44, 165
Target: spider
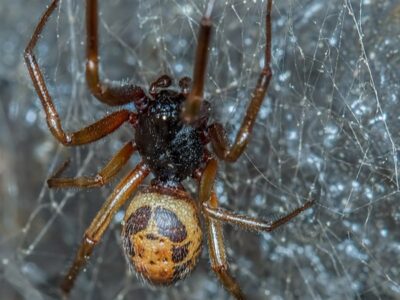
161, 235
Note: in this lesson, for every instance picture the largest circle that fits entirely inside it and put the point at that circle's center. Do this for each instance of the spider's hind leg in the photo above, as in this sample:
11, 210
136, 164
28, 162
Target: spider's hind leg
251, 223
216, 247
100, 223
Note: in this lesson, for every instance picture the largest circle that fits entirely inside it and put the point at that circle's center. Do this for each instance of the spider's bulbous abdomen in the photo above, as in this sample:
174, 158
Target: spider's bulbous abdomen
162, 237
171, 148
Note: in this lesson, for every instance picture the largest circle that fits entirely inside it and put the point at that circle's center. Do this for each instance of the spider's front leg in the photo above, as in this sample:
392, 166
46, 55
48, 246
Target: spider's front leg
113, 95
86, 135
192, 106
217, 132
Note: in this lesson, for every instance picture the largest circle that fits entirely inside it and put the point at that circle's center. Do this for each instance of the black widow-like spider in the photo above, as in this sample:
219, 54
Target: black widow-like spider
162, 236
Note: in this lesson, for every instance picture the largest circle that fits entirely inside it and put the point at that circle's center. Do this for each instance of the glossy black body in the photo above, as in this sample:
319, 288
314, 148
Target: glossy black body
171, 148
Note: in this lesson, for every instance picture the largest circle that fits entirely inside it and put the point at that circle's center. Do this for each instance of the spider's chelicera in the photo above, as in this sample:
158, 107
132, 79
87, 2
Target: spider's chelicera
162, 236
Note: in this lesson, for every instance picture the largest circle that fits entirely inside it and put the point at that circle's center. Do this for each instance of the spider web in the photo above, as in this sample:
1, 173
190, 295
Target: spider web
329, 124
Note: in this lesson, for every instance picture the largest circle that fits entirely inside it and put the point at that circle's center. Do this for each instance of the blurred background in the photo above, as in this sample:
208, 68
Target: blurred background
330, 123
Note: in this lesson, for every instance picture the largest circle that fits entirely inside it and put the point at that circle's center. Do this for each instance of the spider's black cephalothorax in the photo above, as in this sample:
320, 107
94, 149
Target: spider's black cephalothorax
171, 148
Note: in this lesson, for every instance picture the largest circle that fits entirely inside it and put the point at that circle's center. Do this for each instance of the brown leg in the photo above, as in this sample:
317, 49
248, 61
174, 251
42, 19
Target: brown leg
216, 241
216, 246
104, 176
249, 223
217, 132
206, 179
215, 216
84, 136
191, 108
100, 129
110, 94
95, 231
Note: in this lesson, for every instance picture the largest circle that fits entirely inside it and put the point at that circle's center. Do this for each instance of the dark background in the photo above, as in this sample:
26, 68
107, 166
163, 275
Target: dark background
330, 120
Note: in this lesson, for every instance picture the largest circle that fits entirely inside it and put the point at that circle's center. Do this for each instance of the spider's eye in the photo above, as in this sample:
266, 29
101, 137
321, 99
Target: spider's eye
161, 237
141, 103
162, 82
